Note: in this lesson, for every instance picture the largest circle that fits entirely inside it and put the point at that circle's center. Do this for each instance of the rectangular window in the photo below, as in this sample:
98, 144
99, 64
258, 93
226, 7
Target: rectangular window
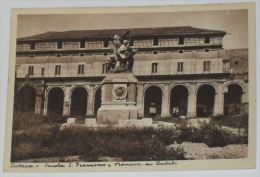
181, 40
226, 66
154, 67
80, 69
104, 68
32, 47
30, 70
207, 40
106, 42
82, 44
57, 69
43, 72
155, 42
59, 45
180, 66
206, 66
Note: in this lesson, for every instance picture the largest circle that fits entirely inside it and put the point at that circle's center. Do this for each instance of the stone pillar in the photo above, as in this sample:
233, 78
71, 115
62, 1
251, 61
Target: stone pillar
140, 100
38, 100
38, 104
166, 102
219, 100
90, 101
244, 96
45, 105
67, 101
192, 103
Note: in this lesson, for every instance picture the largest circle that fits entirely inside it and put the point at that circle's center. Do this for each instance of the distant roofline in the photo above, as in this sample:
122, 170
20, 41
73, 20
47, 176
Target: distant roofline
133, 32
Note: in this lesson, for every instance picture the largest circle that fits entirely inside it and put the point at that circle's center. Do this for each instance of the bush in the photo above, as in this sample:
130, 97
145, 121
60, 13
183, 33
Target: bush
210, 134
168, 136
238, 121
44, 139
134, 150
188, 133
26, 151
213, 135
24, 120
151, 149
130, 144
43, 135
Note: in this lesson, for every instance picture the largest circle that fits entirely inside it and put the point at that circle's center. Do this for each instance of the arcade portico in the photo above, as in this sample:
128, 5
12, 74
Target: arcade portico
84, 99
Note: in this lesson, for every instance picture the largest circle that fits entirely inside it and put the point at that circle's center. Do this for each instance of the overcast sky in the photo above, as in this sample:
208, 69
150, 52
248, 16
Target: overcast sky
234, 22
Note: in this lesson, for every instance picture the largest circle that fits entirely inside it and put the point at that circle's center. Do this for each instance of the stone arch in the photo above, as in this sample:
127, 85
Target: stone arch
25, 98
79, 98
98, 100
25, 84
151, 85
233, 98
214, 85
205, 100
78, 86
181, 84
51, 87
55, 101
153, 101
179, 100
225, 87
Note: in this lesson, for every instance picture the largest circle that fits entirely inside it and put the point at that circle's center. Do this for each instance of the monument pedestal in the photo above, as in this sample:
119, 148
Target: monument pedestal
118, 98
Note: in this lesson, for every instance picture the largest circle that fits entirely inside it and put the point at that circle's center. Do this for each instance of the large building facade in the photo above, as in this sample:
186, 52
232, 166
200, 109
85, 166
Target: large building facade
61, 72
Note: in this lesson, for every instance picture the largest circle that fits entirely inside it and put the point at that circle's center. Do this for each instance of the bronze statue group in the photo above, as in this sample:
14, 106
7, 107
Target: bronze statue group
123, 55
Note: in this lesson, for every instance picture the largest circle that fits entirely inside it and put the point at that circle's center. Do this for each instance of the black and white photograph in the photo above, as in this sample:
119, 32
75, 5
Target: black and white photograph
159, 87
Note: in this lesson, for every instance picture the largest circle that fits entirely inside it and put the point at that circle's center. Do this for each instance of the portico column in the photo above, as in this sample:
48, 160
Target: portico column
166, 102
90, 101
140, 100
244, 96
219, 100
45, 106
67, 101
192, 104
38, 101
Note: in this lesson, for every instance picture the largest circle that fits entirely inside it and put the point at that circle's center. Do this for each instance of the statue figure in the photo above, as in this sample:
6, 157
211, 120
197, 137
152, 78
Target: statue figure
111, 63
122, 59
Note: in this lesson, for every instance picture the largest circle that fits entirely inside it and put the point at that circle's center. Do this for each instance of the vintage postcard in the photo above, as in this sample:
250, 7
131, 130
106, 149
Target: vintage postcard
132, 89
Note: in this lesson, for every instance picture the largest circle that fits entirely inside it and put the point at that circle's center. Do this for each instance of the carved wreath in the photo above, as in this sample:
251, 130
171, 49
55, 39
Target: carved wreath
119, 92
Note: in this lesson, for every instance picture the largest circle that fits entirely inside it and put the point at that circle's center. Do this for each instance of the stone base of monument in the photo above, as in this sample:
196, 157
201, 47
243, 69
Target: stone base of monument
127, 123
140, 123
118, 98
111, 114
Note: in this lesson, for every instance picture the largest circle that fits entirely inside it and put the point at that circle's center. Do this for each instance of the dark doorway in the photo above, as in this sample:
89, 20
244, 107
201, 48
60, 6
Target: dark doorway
232, 100
55, 102
205, 101
97, 100
178, 101
79, 99
153, 102
26, 99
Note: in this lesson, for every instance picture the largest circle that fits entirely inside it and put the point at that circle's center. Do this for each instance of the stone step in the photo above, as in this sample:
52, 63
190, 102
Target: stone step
80, 121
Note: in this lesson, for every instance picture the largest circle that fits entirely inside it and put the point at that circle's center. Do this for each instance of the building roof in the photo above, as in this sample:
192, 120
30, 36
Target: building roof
136, 32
